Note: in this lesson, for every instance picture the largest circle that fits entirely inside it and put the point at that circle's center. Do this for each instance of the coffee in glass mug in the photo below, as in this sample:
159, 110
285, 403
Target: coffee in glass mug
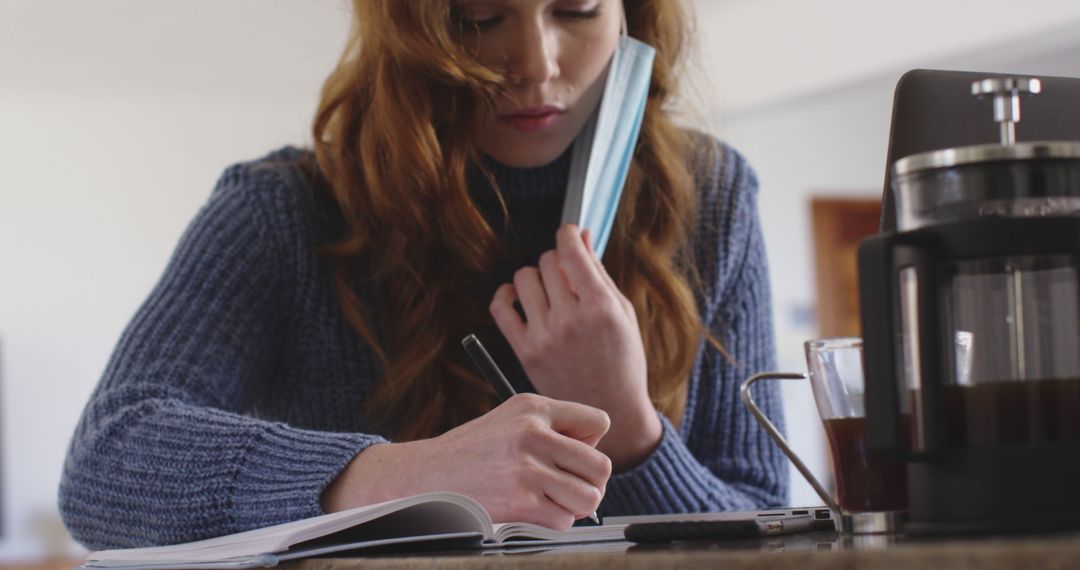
871, 494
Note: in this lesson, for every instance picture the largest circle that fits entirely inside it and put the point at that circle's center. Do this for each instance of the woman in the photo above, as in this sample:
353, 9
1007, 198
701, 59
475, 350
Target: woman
301, 352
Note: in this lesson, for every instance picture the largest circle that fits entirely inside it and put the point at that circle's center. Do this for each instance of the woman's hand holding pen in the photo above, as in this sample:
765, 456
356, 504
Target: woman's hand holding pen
531, 459
541, 459
580, 342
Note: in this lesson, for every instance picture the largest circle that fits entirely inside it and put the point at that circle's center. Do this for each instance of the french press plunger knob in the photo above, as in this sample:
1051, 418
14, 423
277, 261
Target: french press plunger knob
1006, 92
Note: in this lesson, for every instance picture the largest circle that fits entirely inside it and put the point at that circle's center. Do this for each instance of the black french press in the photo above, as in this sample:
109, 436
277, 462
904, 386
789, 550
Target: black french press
971, 328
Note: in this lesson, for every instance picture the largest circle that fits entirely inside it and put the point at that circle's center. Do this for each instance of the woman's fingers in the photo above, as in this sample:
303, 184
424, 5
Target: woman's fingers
559, 293
563, 277
577, 263
627, 306
578, 421
571, 472
577, 458
586, 238
531, 293
573, 494
533, 472
563, 469
506, 317
542, 511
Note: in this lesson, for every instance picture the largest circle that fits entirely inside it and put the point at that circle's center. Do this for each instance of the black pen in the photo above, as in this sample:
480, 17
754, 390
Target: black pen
495, 377
488, 368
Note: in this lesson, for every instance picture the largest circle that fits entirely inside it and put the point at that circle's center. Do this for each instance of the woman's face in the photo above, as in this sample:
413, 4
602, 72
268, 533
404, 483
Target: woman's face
553, 53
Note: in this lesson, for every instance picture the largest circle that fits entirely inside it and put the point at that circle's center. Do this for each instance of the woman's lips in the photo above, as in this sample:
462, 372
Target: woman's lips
532, 119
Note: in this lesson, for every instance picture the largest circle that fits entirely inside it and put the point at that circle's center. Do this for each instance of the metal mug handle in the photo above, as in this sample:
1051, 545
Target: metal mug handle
775, 434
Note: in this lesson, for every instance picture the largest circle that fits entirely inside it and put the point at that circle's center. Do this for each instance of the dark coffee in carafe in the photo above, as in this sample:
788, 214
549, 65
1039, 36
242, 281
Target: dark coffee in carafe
1031, 412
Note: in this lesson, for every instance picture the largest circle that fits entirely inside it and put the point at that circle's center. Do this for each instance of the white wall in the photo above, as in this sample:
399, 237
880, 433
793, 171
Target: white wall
767, 52
116, 116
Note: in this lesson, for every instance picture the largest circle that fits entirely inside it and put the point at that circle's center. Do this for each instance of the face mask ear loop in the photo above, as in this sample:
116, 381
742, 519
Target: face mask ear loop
623, 28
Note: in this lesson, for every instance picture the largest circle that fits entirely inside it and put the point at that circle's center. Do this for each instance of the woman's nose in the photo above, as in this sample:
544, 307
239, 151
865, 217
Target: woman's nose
536, 57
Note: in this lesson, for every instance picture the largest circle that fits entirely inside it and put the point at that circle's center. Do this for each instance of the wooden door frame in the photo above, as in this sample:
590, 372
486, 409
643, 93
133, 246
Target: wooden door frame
838, 224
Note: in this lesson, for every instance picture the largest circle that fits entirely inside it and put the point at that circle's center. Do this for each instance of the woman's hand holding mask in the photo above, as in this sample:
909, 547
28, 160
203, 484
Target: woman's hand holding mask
580, 342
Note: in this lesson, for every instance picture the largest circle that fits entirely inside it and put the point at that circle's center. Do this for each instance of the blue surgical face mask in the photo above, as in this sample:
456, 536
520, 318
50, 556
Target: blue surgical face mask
602, 152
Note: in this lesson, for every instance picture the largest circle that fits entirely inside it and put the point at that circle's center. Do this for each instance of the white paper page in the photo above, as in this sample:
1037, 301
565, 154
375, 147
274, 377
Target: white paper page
461, 513
530, 533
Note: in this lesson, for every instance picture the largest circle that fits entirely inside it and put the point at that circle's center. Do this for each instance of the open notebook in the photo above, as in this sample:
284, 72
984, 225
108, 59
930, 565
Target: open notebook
428, 521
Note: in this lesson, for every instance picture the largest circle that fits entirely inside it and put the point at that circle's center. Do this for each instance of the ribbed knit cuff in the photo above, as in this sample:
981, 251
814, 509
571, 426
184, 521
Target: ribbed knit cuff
671, 480
285, 470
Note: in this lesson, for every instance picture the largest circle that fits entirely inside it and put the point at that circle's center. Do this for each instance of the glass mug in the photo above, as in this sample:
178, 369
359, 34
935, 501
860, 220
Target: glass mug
871, 496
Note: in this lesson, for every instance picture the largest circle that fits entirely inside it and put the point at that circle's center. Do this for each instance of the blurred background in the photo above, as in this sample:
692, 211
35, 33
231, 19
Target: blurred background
117, 116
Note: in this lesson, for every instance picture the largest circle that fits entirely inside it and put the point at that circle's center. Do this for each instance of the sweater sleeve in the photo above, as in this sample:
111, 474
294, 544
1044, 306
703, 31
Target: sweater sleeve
719, 459
169, 448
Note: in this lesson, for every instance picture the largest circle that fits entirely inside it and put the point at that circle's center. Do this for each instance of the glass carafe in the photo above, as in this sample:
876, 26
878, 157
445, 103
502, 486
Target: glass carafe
971, 323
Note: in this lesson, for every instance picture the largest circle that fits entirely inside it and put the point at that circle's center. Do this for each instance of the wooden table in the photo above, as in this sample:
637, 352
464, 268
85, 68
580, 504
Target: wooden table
822, 550
51, 564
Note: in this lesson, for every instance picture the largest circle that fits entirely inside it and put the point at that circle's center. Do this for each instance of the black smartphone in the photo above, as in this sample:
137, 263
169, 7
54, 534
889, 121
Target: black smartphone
667, 531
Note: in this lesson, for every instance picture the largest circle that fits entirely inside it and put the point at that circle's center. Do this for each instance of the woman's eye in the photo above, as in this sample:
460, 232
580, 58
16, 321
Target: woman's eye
579, 14
480, 21
484, 23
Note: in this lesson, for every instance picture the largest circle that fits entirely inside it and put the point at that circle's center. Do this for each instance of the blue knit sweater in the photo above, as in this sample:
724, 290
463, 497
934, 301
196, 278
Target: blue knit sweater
234, 396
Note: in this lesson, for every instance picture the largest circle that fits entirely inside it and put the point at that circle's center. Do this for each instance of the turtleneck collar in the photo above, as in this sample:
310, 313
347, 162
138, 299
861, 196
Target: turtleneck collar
534, 199
531, 183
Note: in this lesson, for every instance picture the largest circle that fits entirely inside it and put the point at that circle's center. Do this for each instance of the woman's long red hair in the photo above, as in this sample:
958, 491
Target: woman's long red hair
392, 139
